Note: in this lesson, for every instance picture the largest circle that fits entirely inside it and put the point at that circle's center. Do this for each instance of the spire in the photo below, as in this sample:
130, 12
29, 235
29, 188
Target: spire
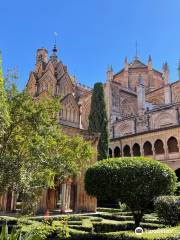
54, 54
149, 63
109, 73
166, 73
126, 65
149, 59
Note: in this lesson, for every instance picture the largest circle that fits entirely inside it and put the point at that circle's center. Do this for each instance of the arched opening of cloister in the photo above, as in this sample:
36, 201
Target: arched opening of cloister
159, 147
127, 151
117, 152
147, 149
136, 150
172, 145
110, 153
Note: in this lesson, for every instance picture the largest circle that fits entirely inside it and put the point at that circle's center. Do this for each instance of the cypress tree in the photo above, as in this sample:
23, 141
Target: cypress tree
98, 120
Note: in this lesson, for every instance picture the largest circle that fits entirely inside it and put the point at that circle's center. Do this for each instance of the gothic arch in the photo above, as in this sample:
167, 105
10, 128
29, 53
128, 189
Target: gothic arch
126, 107
136, 150
110, 153
163, 119
117, 152
127, 151
159, 146
172, 145
147, 148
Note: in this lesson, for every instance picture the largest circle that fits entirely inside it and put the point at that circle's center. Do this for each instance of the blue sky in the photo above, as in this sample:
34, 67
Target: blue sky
92, 34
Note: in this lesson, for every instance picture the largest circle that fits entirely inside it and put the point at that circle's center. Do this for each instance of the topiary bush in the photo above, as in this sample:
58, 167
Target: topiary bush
168, 209
134, 181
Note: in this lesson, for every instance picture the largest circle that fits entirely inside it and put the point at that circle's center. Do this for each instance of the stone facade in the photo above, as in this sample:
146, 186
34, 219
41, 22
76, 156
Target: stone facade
144, 112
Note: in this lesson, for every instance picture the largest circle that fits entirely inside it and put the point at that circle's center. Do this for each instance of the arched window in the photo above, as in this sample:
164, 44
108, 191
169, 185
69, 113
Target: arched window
110, 153
127, 151
172, 145
177, 171
147, 149
136, 150
117, 152
159, 147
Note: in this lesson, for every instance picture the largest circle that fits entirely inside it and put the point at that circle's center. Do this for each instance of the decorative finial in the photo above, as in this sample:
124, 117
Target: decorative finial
109, 68
149, 59
166, 67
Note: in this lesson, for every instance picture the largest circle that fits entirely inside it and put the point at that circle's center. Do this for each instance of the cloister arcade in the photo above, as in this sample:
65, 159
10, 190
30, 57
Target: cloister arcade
165, 150
158, 147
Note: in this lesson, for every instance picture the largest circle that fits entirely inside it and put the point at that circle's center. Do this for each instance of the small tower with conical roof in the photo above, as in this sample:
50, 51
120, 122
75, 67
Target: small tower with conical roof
166, 73
109, 73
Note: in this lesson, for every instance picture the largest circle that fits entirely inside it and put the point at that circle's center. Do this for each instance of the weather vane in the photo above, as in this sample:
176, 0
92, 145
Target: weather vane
55, 37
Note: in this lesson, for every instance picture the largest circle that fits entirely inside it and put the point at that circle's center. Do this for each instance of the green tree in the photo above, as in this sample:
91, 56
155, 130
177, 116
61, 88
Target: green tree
34, 150
4, 116
133, 181
98, 121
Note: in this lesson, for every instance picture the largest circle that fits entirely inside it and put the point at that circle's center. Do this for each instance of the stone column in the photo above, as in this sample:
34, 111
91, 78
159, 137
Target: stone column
66, 194
63, 198
154, 153
142, 150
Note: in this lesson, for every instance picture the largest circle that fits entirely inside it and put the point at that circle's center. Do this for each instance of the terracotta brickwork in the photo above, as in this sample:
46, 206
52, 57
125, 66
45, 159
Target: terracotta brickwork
149, 125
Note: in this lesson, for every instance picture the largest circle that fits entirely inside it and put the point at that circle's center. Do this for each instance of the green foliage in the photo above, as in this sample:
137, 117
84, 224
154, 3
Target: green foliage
133, 181
162, 234
44, 230
4, 115
98, 121
34, 149
168, 209
122, 226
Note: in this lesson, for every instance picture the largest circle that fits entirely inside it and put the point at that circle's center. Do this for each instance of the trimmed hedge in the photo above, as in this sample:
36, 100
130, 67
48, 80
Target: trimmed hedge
106, 227
173, 234
168, 209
